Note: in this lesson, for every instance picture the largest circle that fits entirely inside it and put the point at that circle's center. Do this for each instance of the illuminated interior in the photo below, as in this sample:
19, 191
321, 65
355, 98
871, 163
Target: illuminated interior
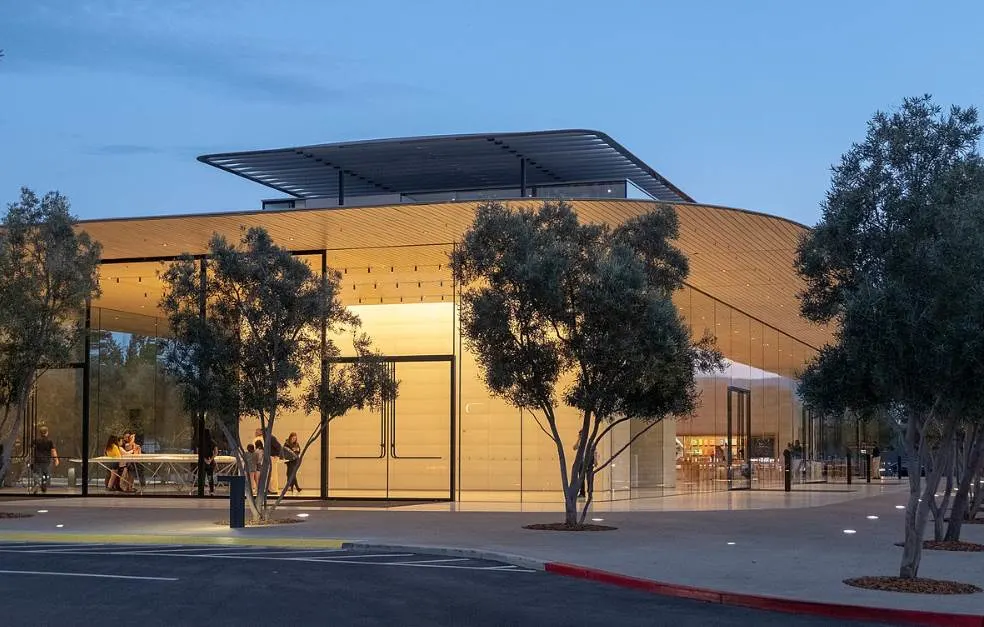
445, 437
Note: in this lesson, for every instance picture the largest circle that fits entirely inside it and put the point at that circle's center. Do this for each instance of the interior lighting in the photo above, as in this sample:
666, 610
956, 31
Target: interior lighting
850, 531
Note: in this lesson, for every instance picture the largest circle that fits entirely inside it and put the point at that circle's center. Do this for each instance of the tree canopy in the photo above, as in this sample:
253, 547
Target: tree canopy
248, 324
897, 262
48, 270
557, 311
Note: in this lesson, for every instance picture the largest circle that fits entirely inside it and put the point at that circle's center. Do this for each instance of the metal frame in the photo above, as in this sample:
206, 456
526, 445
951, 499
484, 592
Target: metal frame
391, 454
745, 418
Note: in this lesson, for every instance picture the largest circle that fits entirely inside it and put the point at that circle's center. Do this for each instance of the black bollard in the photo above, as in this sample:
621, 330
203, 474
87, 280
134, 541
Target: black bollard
787, 464
849, 468
237, 500
867, 467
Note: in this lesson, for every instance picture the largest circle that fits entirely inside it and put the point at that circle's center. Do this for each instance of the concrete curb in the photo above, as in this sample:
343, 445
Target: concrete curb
508, 558
774, 604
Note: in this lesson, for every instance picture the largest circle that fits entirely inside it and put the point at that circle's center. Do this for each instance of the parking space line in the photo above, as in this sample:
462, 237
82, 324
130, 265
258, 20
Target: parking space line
258, 553
457, 559
94, 575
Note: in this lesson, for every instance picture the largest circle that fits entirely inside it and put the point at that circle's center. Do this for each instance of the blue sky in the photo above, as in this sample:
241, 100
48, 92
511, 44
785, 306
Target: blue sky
743, 104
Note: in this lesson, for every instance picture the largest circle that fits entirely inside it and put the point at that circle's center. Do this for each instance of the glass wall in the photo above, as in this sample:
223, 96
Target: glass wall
130, 392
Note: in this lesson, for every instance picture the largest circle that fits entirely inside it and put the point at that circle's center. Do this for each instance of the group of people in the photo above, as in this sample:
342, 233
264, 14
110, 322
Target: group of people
289, 452
122, 474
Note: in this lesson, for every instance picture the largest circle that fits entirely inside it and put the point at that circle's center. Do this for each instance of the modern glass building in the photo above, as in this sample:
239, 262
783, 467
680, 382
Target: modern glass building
386, 214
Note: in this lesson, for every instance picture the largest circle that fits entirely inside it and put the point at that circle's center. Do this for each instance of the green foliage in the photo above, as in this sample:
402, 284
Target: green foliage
548, 299
265, 313
897, 262
48, 270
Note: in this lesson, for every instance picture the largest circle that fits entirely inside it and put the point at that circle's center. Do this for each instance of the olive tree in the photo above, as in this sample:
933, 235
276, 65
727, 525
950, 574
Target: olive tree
48, 270
253, 327
548, 299
897, 263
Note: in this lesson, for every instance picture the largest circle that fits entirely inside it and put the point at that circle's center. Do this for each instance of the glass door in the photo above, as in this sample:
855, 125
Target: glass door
739, 426
403, 449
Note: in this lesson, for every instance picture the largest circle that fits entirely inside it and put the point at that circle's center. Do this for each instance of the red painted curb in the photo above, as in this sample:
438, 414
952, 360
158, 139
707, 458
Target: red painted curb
774, 604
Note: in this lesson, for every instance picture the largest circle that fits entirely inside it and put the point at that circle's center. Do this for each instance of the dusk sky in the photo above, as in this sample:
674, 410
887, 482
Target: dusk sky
744, 104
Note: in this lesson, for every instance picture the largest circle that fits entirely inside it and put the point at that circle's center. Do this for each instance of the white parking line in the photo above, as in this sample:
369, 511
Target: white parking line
239, 553
96, 575
458, 559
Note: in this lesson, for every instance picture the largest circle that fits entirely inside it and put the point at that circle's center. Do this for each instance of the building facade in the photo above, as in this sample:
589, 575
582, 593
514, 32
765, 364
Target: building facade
386, 214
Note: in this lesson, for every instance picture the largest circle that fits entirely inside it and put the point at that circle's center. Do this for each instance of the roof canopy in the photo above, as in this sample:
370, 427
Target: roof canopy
445, 163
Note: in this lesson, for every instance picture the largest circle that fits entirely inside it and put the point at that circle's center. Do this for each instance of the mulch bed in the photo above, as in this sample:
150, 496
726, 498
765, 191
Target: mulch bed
265, 523
914, 586
933, 545
566, 527
14, 515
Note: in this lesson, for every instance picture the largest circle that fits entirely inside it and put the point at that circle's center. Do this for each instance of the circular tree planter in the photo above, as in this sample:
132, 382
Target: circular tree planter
912, 586
566, 527
966, 547
14, 515
264, 523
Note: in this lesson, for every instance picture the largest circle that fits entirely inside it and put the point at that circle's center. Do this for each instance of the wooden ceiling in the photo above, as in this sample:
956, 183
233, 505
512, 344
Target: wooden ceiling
742, 258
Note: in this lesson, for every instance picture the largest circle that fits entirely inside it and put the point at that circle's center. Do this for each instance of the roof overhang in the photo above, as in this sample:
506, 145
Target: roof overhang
740, 258
445, 163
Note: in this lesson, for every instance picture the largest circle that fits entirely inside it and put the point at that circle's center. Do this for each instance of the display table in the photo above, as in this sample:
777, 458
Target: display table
178, 468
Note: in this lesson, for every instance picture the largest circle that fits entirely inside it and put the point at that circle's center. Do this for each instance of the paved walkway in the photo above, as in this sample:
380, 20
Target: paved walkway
768, 546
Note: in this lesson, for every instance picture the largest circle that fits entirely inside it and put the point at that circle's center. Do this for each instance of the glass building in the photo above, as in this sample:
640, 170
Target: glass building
386, 214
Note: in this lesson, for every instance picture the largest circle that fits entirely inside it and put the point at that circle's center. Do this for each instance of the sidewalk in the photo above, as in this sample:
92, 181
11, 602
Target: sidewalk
791, 552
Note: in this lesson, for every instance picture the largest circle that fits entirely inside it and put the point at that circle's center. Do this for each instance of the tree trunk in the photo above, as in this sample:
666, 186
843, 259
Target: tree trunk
254, 513
961, 501
917, 510
978, 500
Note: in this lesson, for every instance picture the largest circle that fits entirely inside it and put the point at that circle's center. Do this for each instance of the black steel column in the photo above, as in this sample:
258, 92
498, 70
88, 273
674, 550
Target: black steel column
200, 426
341, 188
522, 177
324, 384
86, 372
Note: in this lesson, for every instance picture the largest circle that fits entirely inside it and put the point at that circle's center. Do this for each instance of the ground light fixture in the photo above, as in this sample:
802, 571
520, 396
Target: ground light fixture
900, 507
850, 531
731, 544
42, 511
59, 526
871, 517
303, 515
597, 519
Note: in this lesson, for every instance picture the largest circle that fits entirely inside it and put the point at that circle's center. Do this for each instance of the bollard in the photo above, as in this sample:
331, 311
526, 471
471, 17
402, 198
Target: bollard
898, 467
849, 468
867, 467
237, 499
787, 463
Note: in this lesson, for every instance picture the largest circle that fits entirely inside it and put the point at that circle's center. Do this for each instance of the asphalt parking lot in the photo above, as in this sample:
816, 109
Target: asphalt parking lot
72, 584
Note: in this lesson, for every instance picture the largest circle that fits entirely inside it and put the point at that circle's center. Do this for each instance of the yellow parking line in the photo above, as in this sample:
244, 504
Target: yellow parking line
83, 538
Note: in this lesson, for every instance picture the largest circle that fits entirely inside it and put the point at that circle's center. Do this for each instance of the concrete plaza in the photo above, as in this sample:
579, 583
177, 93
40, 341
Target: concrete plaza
785, 545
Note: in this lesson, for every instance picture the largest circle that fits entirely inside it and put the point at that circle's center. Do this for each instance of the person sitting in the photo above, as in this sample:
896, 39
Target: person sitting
115, 469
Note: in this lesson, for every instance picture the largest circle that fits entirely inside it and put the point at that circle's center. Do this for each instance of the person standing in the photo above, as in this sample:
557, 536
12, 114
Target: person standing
44, 454
276, 451
292, 455
209, 452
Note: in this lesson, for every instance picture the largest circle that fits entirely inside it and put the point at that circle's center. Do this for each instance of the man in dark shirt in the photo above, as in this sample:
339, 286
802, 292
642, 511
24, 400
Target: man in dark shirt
44, 453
